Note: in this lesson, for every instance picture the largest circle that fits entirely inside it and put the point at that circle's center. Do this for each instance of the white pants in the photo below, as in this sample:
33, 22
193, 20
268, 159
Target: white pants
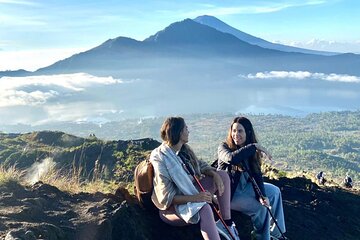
244, 201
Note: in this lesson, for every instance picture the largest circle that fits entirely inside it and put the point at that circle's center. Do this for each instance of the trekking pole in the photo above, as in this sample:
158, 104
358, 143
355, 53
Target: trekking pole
258, 191
211, 204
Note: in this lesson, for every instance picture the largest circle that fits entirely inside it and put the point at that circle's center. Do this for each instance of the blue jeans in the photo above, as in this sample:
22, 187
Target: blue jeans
244, 201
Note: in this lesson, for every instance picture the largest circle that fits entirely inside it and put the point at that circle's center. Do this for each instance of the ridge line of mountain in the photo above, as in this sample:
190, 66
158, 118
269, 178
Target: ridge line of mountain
185, 39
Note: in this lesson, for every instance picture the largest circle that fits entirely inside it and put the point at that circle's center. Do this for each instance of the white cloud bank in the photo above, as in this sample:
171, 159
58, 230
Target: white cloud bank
303, 75
12, 91
64, 97
325, 45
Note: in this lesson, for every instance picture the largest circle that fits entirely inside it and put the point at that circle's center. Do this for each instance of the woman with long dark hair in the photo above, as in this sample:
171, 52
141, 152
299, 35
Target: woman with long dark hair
176, 194
241, 151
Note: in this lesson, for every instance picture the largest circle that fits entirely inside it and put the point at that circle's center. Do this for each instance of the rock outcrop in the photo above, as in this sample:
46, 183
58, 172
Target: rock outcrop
42, 211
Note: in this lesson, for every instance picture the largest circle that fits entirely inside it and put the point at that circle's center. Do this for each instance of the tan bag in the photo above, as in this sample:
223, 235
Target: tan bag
143, 177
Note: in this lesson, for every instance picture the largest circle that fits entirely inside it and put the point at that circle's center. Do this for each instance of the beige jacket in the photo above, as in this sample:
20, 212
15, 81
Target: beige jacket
170, 179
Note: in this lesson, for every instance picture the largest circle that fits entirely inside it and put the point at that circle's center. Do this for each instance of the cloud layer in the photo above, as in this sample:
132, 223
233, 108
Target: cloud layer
325, 45
303, 75
24, 90
65, 97
82, 97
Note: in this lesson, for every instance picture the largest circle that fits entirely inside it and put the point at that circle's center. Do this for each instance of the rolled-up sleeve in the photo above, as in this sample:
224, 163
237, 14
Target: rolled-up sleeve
164, 188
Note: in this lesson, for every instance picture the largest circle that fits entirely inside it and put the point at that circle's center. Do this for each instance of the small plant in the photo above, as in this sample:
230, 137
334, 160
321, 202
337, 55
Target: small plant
10, 174
100, 185
282, 174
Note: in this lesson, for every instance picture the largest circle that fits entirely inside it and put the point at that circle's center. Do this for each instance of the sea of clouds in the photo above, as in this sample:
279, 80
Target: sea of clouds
304, 75
83, 97
64, 97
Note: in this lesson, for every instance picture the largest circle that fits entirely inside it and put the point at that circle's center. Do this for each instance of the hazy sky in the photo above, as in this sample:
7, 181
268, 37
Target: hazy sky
36, 33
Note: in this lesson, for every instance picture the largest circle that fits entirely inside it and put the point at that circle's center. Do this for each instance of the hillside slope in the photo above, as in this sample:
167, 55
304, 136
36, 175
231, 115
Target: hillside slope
69, 153
43, 212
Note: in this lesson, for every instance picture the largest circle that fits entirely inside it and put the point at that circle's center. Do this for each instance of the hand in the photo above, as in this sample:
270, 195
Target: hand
264, 156
265, 202
203, 197
262, 149
219, 185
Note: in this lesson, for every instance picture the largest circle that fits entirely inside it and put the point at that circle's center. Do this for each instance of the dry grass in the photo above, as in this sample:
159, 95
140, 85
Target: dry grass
9, 174
100, 185
272, 172
73, 182
66, 182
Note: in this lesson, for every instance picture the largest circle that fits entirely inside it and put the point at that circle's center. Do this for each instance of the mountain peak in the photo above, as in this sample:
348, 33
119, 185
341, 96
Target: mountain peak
113, 42
223, 27
204, 19
191, 32
185, 31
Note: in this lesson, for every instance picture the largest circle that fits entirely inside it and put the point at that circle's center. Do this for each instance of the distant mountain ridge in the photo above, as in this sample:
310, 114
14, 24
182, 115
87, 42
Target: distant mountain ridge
223, 27
16, 73
206, 38
181, 42
195, 39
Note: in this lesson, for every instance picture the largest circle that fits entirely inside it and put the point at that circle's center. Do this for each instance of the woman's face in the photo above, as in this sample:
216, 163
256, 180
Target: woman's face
238, 134
184, 135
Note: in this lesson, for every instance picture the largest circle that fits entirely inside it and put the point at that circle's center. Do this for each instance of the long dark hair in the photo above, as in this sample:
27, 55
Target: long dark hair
171, 130
255, 161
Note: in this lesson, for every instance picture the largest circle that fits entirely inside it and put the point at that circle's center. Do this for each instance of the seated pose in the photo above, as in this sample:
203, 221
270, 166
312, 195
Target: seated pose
241, 152
176, 194
321, 178
348, 181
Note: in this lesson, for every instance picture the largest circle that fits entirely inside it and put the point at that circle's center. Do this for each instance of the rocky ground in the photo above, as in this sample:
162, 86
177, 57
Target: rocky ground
43, 212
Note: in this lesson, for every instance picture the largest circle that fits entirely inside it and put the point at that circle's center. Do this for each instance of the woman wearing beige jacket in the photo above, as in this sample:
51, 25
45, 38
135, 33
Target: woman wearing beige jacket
181, 202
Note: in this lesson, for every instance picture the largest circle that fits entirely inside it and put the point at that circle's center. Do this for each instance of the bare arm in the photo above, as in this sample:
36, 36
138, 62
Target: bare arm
263, 150
219, 185
200, 197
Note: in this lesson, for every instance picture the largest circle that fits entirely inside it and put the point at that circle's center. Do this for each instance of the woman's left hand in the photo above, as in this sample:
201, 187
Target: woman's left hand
219, 185
264, 150
265, 201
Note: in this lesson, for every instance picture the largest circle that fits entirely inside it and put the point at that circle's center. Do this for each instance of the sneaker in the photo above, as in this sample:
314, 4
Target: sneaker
253, 235
224, 232
278, 238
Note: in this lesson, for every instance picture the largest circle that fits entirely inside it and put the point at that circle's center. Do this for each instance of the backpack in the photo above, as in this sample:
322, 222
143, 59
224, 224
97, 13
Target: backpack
143, 178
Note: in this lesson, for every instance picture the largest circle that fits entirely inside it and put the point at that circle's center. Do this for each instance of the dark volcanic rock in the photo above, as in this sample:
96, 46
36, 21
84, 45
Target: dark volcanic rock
43, 212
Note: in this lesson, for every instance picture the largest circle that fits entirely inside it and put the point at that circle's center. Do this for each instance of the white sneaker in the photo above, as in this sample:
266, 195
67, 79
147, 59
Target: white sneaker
278, 238
224, 232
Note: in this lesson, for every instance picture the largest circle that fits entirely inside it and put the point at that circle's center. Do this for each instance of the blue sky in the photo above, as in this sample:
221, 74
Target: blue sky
34, 34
